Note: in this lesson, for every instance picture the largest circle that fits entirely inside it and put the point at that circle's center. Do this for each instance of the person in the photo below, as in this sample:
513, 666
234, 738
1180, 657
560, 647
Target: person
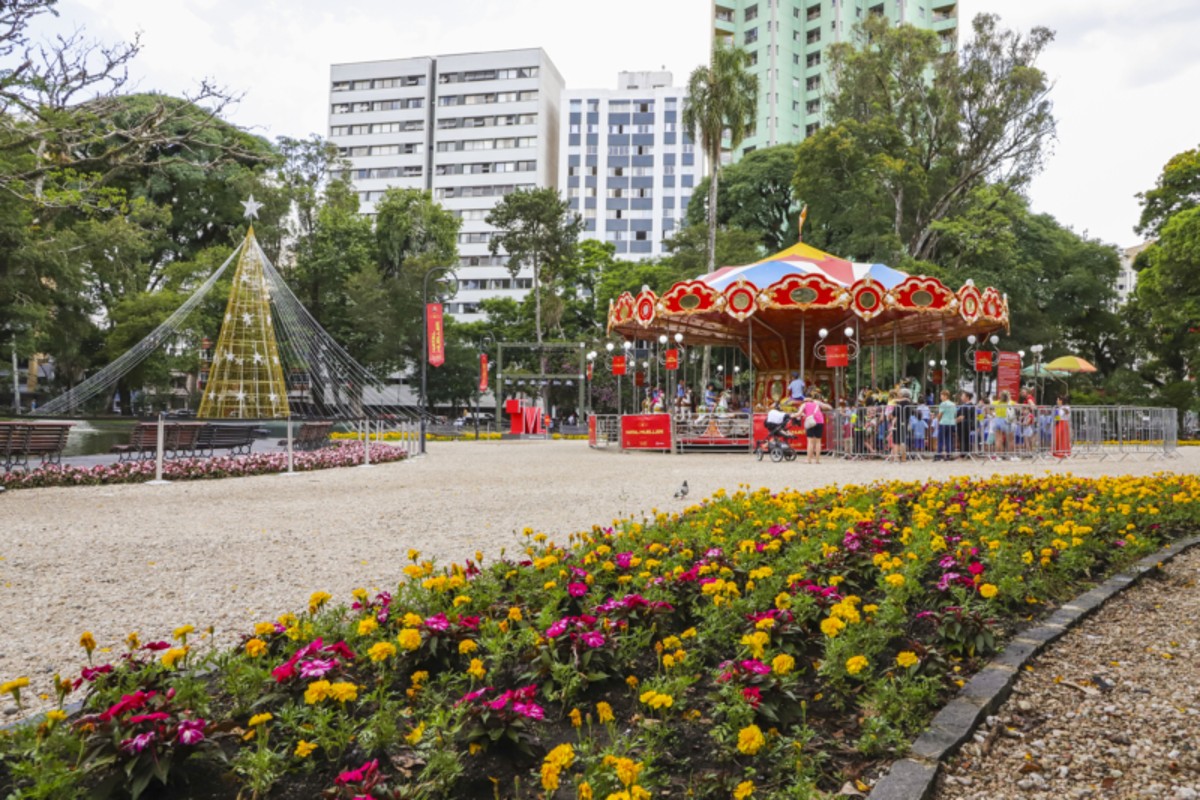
813, 414
796, 389
967, 421
918, 427
901, 422
710, 397
947, 416
1062, 427
1003, 409
777, 420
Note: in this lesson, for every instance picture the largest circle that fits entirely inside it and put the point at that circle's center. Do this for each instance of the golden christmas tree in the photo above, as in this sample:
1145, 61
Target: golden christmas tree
245, 380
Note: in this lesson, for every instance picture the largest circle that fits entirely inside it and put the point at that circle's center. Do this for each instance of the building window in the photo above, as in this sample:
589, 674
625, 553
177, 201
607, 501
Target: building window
813, 59
813, 36
751, 13
813, 83
814, 12
752, 35
811, 129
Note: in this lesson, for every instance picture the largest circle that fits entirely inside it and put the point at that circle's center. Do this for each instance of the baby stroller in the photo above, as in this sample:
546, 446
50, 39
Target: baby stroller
778, 444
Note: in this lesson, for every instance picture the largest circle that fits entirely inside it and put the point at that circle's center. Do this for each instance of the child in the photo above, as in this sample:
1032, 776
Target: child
918, 426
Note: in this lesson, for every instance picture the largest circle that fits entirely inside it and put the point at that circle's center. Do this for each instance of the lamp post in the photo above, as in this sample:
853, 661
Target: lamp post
483, 342
1037, 371
425, 344
820, 352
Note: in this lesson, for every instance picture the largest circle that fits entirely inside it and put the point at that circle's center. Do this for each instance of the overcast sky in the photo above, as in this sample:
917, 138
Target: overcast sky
1125, 71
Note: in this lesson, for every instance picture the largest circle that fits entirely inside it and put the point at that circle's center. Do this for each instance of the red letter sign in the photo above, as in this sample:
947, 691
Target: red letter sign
983, 360
483, 379
618, 365
672, 360
433, 330
837, 355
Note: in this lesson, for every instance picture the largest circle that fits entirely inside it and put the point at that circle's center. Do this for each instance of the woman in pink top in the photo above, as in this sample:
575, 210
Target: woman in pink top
813, 415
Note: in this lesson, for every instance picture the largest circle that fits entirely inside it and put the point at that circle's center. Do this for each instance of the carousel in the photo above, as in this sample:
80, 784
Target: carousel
807, 311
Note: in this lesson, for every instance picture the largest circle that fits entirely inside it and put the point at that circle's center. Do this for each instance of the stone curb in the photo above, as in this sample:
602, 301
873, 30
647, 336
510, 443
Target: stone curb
913, 778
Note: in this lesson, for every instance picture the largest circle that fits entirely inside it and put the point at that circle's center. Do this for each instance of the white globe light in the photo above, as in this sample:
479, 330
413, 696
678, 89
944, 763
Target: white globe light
932, 363
823, 333
995, 339
662, 339
720, 367
971, 339
627, 345
609, 347
1021, 353
678, 338
848, 332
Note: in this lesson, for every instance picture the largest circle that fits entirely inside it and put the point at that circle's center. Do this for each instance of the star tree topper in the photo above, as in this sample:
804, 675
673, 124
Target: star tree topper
252, 206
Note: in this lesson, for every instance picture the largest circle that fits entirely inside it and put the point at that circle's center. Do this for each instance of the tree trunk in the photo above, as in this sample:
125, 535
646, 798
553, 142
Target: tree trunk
715, 157
537, 330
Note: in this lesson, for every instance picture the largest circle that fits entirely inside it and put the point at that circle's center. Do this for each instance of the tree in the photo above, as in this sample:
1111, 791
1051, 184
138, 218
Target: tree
1177, 189
756, 195
537, 229
692, 253
914, 131
721, 99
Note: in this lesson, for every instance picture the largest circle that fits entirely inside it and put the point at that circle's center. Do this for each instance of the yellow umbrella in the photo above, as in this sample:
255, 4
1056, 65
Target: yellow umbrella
1070, 364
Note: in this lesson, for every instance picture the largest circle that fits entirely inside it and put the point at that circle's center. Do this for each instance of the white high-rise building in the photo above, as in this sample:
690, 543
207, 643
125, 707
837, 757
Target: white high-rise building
1127, 278
627, 166
470, 128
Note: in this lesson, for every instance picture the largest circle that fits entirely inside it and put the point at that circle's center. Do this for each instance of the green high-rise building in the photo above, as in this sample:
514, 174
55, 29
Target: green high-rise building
787, 40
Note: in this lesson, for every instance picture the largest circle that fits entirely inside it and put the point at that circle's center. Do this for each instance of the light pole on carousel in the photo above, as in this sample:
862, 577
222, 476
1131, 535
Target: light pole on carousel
1037, 349
425, 342
820, 351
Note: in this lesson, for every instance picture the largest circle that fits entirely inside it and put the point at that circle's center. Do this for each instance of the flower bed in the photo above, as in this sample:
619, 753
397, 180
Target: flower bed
187, 469
757, 645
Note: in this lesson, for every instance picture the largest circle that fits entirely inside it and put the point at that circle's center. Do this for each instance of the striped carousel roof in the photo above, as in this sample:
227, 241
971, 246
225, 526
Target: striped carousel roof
803, 259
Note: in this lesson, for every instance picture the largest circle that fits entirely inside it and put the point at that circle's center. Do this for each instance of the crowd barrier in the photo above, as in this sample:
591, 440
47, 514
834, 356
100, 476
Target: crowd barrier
1020, 432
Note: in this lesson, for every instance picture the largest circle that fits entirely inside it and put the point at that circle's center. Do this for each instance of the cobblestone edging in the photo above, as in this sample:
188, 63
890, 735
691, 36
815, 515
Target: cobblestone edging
914, 778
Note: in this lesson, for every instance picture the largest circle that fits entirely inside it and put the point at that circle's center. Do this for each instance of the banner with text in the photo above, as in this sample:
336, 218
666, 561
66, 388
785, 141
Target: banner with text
1008, 376
646, 432
672, 360
618, 365
983, 360
434, 334
837, 355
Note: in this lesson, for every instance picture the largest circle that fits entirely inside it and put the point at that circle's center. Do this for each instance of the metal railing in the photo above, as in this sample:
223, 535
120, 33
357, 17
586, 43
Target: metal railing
608, 431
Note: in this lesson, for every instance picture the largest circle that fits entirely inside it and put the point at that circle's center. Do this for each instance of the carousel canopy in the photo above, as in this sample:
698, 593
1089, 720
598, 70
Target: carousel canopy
778, 302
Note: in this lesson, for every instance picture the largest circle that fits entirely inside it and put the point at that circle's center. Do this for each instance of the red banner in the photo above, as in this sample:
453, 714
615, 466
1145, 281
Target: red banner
592, 430
589, 371
938, 377
983, 360
483, 379
618, 365
434, 334
672, 361
646, 432
1008, 376
639, 378
837, 355
728, 381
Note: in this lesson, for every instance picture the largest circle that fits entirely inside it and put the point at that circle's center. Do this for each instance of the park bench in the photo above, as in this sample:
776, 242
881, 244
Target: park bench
237, 439
311, 436
20, 440
179, 438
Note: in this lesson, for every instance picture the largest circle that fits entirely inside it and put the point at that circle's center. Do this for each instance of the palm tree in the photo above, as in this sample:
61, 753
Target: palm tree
720, 103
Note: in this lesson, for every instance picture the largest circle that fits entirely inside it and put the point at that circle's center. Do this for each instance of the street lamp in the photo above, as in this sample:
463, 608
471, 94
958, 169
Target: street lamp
1037, 349
484, 340
425, 341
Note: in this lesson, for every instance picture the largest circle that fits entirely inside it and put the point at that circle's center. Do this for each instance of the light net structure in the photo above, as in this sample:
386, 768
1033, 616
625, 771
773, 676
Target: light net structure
246, 378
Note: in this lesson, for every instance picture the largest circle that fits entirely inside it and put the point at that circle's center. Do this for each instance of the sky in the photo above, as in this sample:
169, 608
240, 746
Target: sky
1125, 72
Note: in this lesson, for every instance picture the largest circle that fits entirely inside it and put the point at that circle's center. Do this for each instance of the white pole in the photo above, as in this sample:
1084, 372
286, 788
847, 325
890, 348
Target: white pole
366, 428
290, 451
158, 456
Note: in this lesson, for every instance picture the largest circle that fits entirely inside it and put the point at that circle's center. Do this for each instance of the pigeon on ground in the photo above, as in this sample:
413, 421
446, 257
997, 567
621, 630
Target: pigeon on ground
683, 491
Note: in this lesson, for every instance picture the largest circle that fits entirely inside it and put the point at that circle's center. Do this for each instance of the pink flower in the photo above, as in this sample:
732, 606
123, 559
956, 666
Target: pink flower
752, 695
557, 629
471, 697
91, 673
129, 702
437, 622
577, 589
318, 667
191, 731
755, 666
286, 670
363, 773
529, 710
138, 743
975, 568
593, 639
624, 560
341, 649
157, 716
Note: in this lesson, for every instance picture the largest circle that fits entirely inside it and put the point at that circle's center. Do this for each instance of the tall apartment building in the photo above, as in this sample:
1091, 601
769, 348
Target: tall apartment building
469, 127
787, 40
1127, 278
627, 165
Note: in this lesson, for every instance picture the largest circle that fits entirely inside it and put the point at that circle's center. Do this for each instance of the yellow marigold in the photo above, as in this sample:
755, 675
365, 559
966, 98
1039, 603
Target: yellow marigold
782, 664
172, 656
576, 718
514, 614
856, 664
316, 692
462, 600
626, 768
304, 749
182, 631
14, 685
381, 651
367, 626
343, 691
657, 700
256, 648
87, 641
467, 646
756, 642
476, 669
743, 790
419, 677
750, 740
604, 712
264, 628
318, 599
409, 639
414, 736
259, 719
585, 792
134, 642
987, 591
832, 626
562, 756
906, 658
55, 716
895, 579
632, 681
550, 773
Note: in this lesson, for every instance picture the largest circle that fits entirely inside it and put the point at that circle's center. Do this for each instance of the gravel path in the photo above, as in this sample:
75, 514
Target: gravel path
1111, 710
228, 553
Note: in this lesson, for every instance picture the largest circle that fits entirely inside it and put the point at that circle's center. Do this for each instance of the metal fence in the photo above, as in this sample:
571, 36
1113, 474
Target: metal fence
608, 431
1018, 432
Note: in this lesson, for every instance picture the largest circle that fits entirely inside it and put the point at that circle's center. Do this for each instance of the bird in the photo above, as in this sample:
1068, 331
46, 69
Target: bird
683, 491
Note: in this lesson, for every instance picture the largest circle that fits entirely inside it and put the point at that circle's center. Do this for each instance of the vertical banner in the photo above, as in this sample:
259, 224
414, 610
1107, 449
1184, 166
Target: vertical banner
728, 381
434, 334
618, 365
639, 378
589, 371
1008, 376
672, 360
983, 360
483, 378
591, 430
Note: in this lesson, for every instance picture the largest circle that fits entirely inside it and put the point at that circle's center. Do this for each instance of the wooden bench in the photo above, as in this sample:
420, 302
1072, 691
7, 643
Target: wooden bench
311, 436
179, 438
238, 439
20, 440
